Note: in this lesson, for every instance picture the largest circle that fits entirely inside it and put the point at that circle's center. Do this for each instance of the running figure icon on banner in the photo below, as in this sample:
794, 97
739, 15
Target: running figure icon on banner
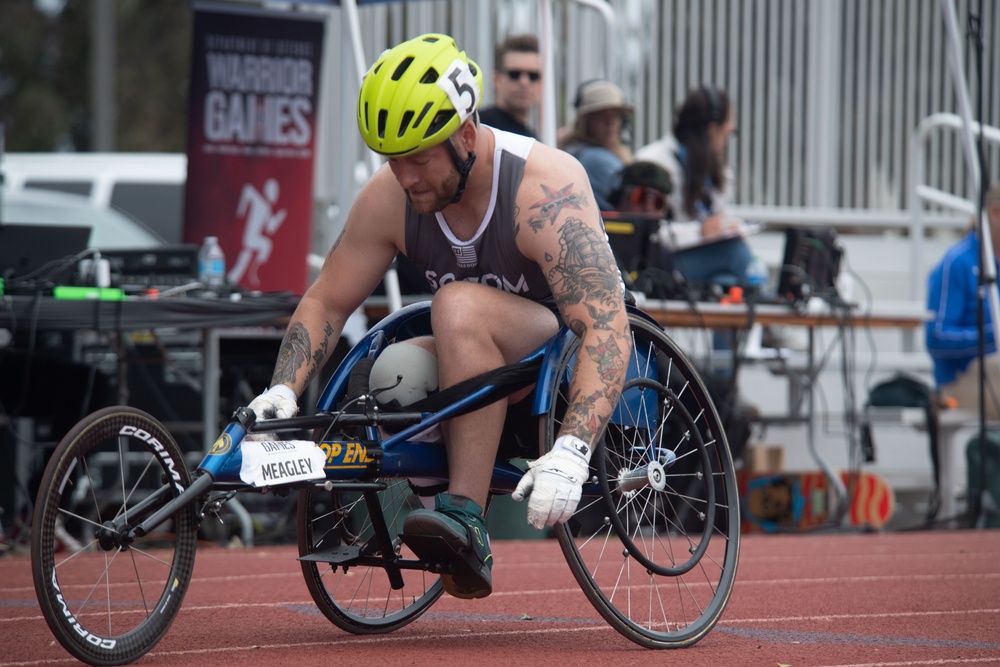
262, 223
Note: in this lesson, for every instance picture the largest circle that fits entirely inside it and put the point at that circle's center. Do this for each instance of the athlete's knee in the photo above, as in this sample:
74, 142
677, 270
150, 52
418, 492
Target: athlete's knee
458, 296
469, 304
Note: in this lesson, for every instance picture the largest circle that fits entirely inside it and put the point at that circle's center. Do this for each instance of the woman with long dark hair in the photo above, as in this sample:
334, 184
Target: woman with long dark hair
695, 157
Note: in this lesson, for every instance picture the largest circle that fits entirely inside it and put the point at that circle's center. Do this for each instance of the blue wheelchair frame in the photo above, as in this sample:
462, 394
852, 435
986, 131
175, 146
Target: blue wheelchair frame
399, 456
662, 498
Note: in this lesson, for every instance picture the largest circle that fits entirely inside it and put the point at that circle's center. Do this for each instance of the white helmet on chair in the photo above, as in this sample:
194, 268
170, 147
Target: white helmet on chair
403, 374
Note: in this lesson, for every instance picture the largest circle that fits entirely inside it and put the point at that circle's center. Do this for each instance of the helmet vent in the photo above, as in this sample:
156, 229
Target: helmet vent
404, 124
401, 68
440, 120
430, 76
423, 112
382, 116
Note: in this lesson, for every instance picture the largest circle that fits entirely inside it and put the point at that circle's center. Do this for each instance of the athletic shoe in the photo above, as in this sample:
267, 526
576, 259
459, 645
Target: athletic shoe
452, 538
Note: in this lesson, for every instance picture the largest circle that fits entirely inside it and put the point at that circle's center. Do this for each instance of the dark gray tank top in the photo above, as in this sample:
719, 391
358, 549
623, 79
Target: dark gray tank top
491, 256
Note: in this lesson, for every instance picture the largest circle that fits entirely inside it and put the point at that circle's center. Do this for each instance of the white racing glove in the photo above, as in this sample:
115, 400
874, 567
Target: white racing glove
278, 402
555, 481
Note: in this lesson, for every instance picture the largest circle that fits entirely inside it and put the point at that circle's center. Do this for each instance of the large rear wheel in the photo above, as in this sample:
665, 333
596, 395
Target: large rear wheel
655, 540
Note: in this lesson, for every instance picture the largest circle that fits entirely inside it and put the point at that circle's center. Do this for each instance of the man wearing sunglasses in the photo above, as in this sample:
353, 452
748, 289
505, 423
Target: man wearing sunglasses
516, 85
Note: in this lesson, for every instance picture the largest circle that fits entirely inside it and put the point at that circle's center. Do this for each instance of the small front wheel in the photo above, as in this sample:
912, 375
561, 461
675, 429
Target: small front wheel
109, 597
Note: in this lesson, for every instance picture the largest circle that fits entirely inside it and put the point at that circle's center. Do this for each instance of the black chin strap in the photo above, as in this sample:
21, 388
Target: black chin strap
464, 167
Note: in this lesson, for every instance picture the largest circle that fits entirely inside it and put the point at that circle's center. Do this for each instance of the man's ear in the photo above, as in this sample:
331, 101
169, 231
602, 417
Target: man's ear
469, 134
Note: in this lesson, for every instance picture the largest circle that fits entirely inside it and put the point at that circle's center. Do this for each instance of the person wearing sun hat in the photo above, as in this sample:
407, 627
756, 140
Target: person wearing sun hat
602, 118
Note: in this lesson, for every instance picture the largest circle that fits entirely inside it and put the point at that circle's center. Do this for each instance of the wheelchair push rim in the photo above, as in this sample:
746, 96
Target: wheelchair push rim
654, 543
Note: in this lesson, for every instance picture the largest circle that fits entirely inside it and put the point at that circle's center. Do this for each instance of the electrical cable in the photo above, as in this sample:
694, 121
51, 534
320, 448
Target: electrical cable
32, 332
8, 420
39, 279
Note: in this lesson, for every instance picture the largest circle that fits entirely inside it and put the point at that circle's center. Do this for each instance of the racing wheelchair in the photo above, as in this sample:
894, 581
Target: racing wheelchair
654, 543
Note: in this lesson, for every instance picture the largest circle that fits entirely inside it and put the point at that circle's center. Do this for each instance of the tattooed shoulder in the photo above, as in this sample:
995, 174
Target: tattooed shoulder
556, 200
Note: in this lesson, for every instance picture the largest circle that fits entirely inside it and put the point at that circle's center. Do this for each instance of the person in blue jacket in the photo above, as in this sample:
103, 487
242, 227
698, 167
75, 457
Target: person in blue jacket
952, 337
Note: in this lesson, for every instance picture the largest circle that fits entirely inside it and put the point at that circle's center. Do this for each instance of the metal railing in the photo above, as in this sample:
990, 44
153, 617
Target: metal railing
827, 92
922, 192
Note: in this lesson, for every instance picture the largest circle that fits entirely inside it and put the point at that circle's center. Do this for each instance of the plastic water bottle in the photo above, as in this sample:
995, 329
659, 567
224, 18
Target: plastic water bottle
757, 276
211, 263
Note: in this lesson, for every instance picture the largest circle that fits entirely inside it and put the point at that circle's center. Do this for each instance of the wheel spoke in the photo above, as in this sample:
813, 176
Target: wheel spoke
362, 601
658, 556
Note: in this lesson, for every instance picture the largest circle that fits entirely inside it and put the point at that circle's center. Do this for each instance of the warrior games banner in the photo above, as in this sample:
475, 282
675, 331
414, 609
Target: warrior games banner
254, 92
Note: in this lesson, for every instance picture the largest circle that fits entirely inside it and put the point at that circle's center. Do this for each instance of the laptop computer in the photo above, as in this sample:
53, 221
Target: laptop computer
633, 239
810, 265
36, 257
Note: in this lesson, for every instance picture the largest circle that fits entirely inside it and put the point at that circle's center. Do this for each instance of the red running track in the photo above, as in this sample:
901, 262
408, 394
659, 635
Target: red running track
895, 599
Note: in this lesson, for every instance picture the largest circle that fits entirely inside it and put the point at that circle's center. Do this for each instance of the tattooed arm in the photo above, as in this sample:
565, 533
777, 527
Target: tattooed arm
300, 354
558, 224
352, 269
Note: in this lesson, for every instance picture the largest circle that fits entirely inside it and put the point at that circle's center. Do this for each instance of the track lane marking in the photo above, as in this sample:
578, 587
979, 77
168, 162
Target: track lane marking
354, 641
297, 605
739, 582
917, 663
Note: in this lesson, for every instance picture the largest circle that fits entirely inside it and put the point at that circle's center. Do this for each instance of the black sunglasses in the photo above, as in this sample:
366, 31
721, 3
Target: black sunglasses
515, 74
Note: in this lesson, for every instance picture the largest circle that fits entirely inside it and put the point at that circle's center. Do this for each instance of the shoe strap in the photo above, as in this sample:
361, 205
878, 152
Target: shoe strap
458, 506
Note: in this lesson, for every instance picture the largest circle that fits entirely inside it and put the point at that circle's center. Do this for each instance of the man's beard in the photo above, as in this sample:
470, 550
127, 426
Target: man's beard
443, 196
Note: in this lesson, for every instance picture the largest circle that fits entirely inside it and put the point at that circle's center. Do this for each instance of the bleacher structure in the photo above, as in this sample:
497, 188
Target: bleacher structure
849, 117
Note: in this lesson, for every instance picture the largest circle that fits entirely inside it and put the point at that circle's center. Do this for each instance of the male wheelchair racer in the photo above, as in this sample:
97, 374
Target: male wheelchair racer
654, 543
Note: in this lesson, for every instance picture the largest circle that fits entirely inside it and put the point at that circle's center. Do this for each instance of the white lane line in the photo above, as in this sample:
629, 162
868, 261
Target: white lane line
380, 639
724, 621
837, 617
940, 576
916, 663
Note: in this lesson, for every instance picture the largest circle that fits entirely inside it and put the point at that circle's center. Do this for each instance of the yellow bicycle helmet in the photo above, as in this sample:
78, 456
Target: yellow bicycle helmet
417, 94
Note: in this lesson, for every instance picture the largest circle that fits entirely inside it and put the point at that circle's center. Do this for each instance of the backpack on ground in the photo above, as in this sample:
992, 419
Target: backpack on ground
986, 506
906, 391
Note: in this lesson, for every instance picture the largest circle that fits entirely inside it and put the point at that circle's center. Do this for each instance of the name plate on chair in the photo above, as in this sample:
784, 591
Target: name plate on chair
270, 463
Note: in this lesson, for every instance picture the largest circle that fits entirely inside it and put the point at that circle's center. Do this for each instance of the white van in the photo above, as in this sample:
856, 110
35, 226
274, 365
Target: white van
147, 186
